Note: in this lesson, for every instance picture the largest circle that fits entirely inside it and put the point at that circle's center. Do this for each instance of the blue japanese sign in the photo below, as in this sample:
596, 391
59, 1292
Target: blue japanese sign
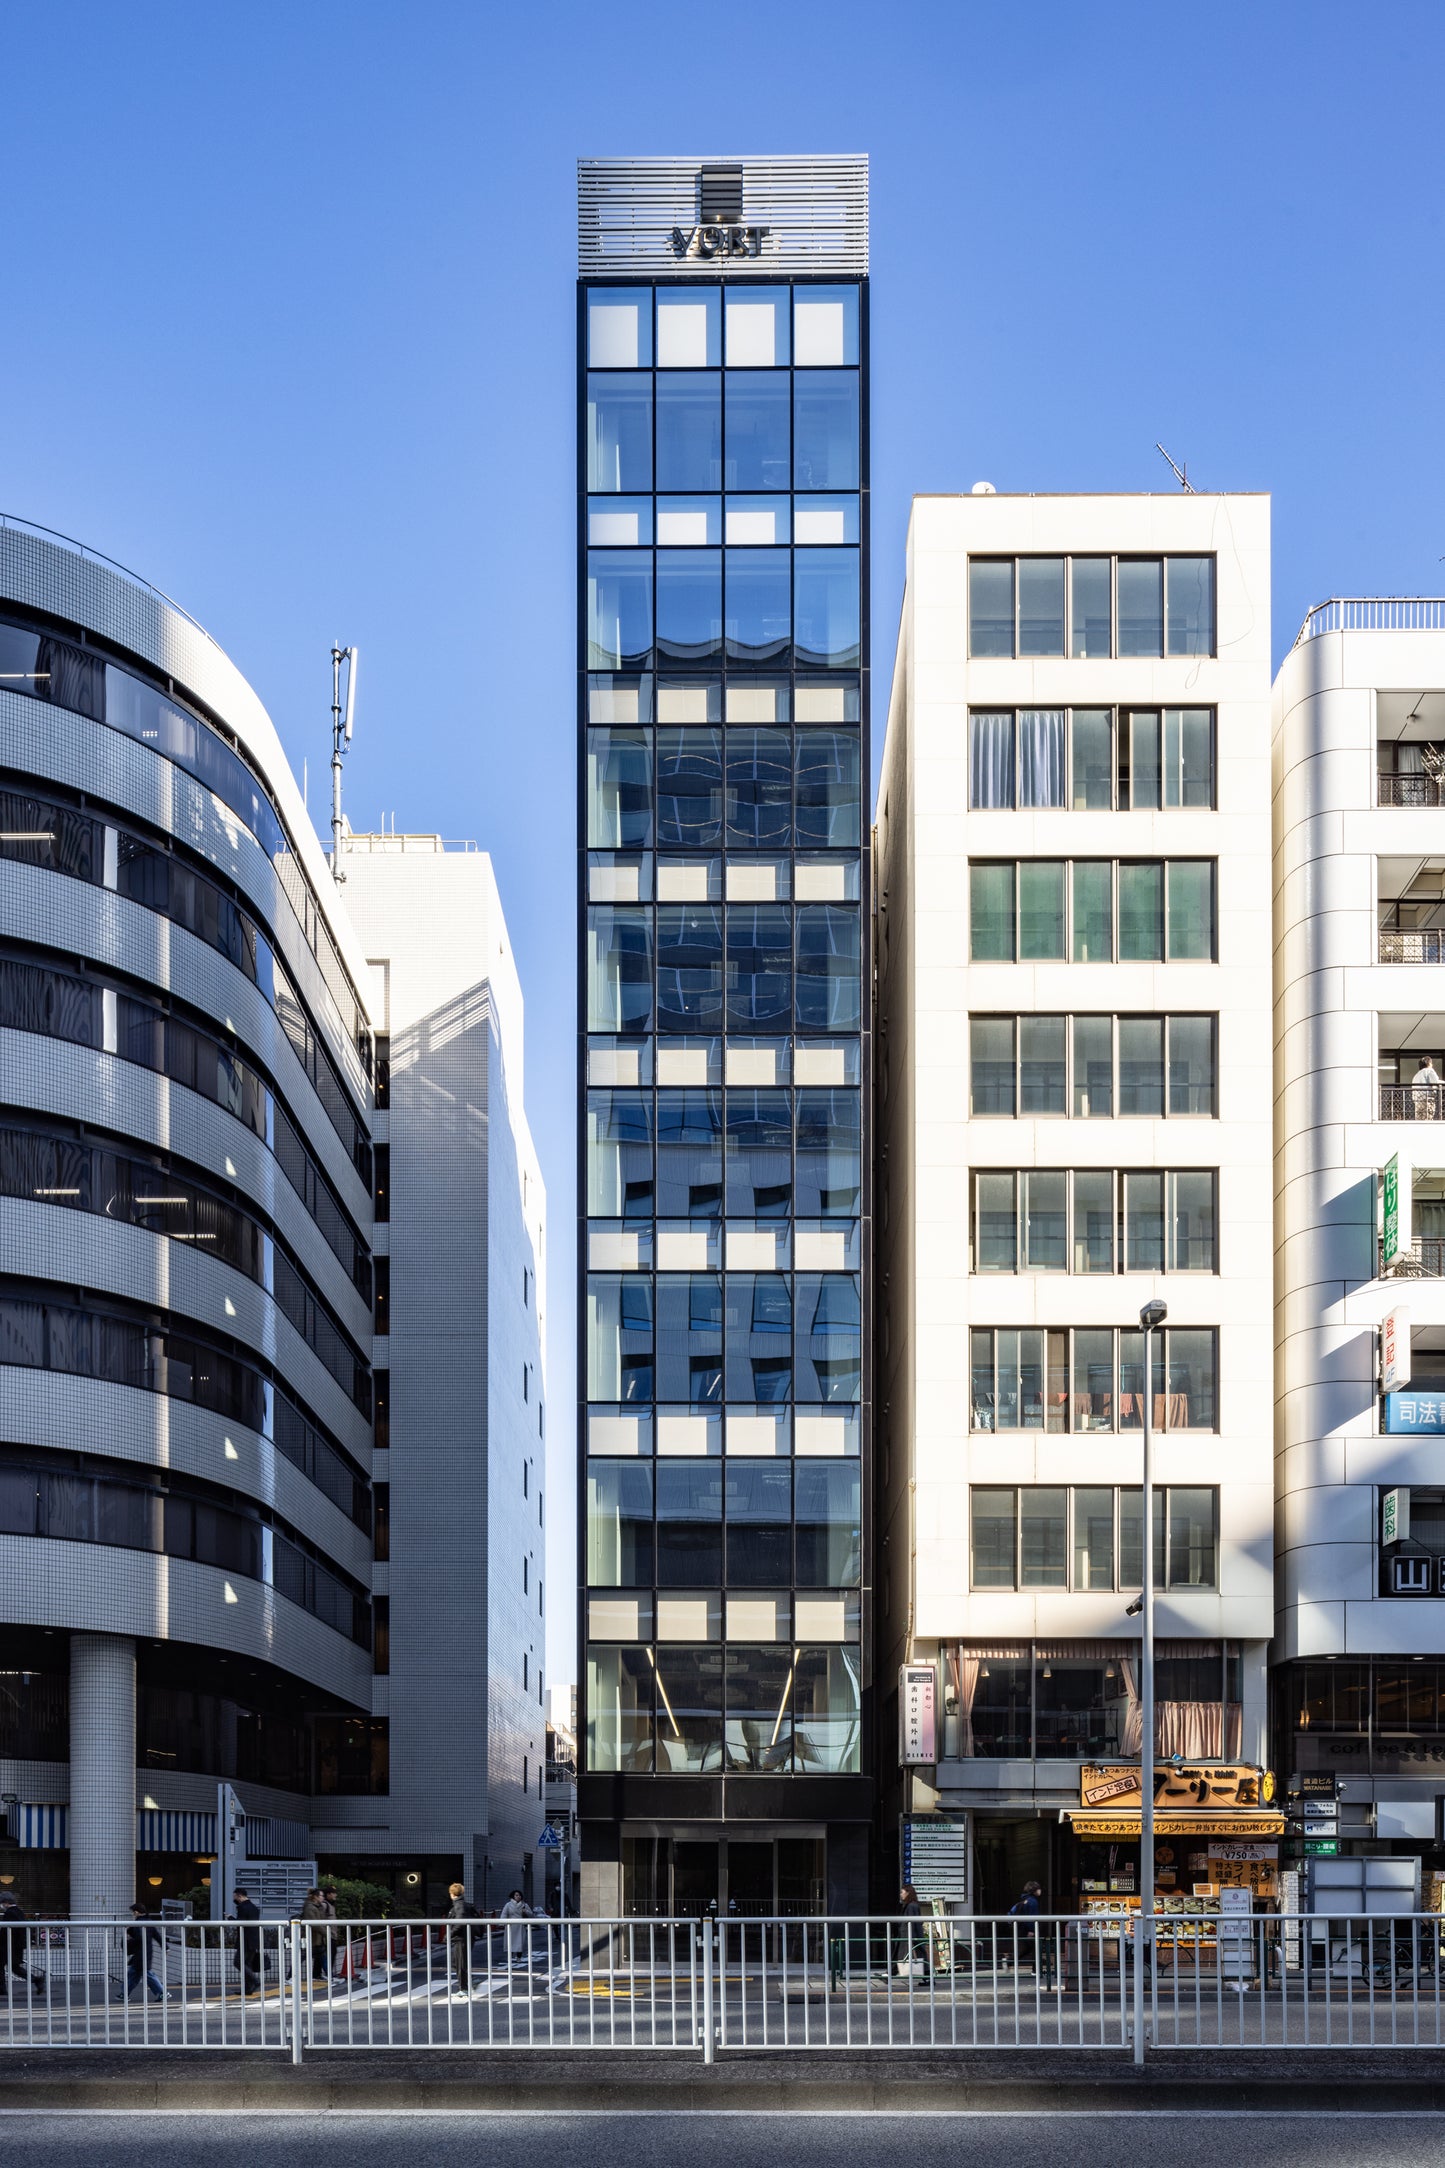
1420, 1413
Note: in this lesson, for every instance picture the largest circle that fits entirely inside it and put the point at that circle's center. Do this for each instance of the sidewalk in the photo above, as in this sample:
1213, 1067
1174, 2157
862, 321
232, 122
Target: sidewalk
898, 2083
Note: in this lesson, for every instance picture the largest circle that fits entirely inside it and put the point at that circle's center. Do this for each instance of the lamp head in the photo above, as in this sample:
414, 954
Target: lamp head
1153, 1314
1132, 1610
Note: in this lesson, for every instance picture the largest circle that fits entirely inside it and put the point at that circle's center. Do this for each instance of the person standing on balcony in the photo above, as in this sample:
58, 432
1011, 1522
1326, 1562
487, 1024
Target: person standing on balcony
1426, 1084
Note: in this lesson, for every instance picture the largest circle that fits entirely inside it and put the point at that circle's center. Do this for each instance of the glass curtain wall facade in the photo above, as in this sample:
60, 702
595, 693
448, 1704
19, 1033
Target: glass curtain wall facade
723, 1169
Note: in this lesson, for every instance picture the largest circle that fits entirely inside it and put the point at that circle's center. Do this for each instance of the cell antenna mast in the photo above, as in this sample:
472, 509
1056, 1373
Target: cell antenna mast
342, 719
1181, 474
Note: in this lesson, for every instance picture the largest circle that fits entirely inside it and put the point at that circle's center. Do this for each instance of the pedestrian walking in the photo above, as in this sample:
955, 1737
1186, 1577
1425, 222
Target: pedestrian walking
318, 1907
1026, 1907
246, 1957
144, 1955
15, 1948
459, 1940
916, 1942
516, 1908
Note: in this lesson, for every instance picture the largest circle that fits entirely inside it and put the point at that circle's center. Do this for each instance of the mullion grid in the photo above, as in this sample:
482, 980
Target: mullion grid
1114, 864
1114, 1017
1071, 1427
1118, 1175
1114, 556
1118, 1585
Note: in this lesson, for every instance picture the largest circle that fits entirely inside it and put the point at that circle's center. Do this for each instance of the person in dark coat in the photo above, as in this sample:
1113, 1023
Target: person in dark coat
14, 1947
1028, 1908
459, 1940
143, 1954
248, 1956
912, 1910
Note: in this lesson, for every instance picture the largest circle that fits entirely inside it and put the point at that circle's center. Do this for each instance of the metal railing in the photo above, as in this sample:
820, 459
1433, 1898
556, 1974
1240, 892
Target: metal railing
1210, 1981
1424, 947
1374, 613
1409, 790
1412, 1102
1425, 1261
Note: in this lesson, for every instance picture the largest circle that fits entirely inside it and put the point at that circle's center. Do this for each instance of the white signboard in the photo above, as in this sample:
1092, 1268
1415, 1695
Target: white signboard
1395, 1516
917, 1716
1395, 1350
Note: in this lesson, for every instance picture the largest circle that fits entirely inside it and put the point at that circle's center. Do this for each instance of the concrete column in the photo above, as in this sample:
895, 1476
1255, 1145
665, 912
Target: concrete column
1254, 1704
102, 1775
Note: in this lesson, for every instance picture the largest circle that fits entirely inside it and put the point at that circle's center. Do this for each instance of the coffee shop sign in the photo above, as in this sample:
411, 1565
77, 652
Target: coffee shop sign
707, 241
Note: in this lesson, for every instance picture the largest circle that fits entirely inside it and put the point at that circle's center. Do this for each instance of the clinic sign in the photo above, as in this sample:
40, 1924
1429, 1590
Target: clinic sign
1396, 1231
917, 1716
1395, 1346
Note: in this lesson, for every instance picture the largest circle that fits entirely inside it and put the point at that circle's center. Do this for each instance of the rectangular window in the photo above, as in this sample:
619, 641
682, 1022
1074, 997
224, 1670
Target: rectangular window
1141, 606
1086, 1539
1091, 613
1191, 605
1141, 1065
1041, 909
1093, 1067
1093, 1220
1046, 1220
1056, 1220
1026, 1378
1041, 605
1191, 910
1041, 756
1141, 911
996, 1238
991, 912
1093, 914
1141, 794
990, 606
991, 1056
991, 759
1043, 1078
619, 327
1191, 1065
1091, 749
1189, 757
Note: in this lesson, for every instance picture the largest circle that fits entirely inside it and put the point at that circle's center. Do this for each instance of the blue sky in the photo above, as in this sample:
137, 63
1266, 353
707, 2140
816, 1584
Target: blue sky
289, 309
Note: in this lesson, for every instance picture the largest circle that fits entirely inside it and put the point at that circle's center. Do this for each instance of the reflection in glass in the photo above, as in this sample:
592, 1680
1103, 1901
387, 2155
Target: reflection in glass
759, 1727
1141, 911
1041, 908
826, 519
1191, 1214
825, 430
689, 605
828, 803
1041, 607
689, 1154
619, 1524
619, 1709
1191, 910
828, 1710
825, 326
759, 789
1093, 913
619, 327
827, 988
688, 328
759, 605
619, 434
994, 1541
1191, 1065
689, 432
619, 969
619, 790
760, 1523
689, 1338
759, 1338
1093, 1220
1043, 1537
689, 967
1042, 1065
689, 789
991, 912
990, 606
757, 521
759, 967
619, 610
1046, 1220
830, 1154
996, 1239
1141, 606
1141, 1065
757, 430
619, 1338
759, 1155
619, 1155
829, 1525
825, 608
1188, 757
1143, 1222
757, 327
619, 522
1091, 614
1191, 605
1145, 774
689, 1523
828, 1330
689, 1709
1093, 1066
688, 522
1092, 750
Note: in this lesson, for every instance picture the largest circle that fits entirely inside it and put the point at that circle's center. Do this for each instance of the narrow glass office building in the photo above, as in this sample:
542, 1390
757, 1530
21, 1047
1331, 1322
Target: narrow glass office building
723, 728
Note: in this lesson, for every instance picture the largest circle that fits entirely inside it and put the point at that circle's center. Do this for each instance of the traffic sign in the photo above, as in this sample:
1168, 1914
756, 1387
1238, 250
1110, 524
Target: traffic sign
549, 1841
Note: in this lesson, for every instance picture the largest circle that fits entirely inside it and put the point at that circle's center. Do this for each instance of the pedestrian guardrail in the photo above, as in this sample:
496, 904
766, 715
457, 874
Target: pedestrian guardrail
1204, 1980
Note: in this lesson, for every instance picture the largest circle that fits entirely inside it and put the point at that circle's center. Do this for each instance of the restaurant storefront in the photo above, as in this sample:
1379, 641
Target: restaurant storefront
1216, 1827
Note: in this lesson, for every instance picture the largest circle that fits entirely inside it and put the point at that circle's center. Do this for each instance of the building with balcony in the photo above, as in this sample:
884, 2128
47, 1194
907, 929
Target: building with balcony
724, 1032
1359, 750
1073, 1034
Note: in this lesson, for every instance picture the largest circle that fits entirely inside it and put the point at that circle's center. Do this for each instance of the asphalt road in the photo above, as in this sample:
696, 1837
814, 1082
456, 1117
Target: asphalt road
1187, 2140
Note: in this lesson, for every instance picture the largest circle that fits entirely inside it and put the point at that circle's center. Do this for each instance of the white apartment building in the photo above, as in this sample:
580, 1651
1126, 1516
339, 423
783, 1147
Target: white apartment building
1073, 862
1359, 750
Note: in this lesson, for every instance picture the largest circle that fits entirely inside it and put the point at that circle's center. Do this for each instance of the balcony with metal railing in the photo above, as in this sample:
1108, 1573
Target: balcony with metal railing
1374, 613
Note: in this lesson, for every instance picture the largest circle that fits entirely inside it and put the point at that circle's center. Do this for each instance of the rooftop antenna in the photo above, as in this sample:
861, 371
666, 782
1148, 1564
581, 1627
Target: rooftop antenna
342, 720
1181, 474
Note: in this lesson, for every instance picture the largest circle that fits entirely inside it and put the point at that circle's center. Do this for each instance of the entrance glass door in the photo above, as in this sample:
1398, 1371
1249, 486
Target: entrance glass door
750, 1879
694, 1878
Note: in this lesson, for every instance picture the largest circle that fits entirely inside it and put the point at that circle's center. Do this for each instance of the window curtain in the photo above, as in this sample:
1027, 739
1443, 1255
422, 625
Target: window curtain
991, 760
963, 1676
1190, 1728
1041, 756
1133, 1713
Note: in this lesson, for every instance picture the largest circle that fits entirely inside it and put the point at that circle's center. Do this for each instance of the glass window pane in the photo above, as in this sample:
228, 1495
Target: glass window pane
619, 970
1042, 1065
619, 790
1191, 1065
619, 327
688, 522
982, 1387
759, 967
619, 1337
1131, 1378
1191, 910
1189, 757
990, 606
828, 790
991, 912
828, 1338
689, 967
996, 1239
1191, 605
825, 430
689, 432
1144, 773
760, 788
619, 522
1191, 1216
759, 1508
1010, 1415
688, 328
759, 1726
1141, 1065
825, 519
757, 415
1143, 1222
1041, 908
1041, 756
1030, 1358
828, 987
1046, 1221
759, 605
758, 522
619, 434
825, 608
1141, 911
829, 1523
1093, 1381
619, 610
1079, 1705
619, 1524
1041, 605
689, 1339
759, 1339
992, 1528
619, 1155
1191, 1359
759, 1154
1093, 1220
828, 1711
1093, 1538
1091, 611
1191, 1538
689, 605
1093, 1066
689, 1155
825, 327
619, 1709
991, 759
1043, 1537
689, 789
1141, 606
689, 1710
1093, 914
1092, 753
991, 1061
757, 327
689, 1523
830, 1153
1131, 1548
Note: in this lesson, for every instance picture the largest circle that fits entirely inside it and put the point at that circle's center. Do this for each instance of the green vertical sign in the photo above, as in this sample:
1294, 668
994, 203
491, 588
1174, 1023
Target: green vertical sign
1392, 1210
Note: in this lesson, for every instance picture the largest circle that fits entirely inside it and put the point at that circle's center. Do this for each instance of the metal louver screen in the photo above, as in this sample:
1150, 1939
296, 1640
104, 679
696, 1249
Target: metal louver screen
629, 211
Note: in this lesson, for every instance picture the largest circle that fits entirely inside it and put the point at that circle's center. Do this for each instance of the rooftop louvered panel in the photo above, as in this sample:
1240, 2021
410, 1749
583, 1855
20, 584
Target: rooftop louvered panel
643, 218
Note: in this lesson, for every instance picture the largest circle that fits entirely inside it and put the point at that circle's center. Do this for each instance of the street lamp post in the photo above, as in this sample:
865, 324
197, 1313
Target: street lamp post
1151, 1317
